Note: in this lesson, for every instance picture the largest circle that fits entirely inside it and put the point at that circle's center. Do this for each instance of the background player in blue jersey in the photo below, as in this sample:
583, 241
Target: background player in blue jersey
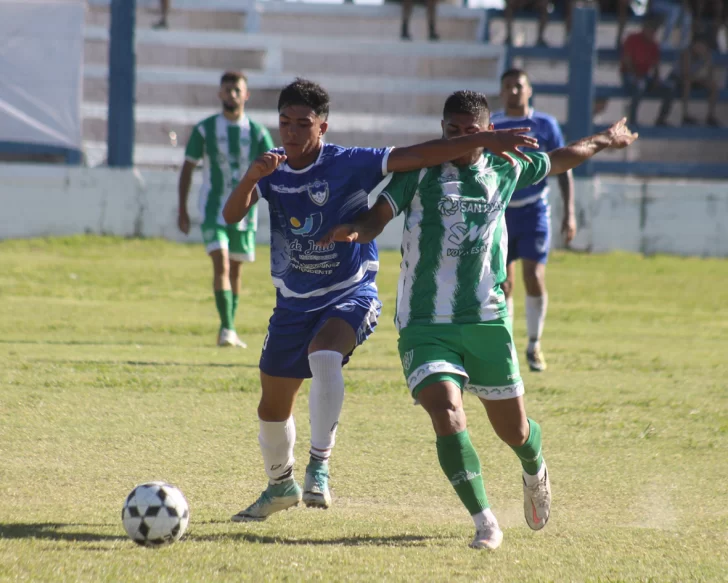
326, 298
528, 216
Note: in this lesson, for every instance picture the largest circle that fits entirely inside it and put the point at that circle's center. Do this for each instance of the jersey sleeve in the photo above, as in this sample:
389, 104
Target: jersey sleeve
195, 146
372, 160
262, 187
534, 171
401, 190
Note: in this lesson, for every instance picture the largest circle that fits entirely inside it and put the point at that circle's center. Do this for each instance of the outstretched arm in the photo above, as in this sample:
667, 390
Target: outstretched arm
504, 143
245, 194
365, 228
616, 137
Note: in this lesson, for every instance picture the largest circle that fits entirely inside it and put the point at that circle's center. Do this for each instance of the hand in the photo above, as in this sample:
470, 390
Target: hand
183, 221
265, 165
568, 228
340, 234
619, 135
508, 143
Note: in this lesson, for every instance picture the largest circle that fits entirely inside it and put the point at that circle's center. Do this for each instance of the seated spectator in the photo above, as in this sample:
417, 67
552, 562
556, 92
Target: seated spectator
513, 6
431, 18
164, 9
672, 12
695, 69
640, 68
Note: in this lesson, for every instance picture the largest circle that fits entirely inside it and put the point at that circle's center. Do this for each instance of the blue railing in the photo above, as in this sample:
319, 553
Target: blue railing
582, 57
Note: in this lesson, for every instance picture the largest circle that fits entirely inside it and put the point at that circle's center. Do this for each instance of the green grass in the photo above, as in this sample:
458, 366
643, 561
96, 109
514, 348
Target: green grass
109, 377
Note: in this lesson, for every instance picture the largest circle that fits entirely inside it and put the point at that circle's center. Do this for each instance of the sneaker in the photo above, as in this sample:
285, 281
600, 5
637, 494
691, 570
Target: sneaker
489, 538
230, 338
316, 492
536, 360
537, 501
275, 497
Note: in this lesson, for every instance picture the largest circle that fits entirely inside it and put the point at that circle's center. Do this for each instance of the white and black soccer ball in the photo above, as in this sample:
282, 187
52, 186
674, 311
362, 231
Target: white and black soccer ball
155, 514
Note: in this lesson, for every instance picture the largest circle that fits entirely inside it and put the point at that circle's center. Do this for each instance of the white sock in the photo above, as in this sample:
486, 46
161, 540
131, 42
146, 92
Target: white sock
532, 480
484, 519
277, 439
509, 305
325, 400
535, 318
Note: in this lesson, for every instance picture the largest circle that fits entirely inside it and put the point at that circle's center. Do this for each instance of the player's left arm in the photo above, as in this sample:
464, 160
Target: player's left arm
365, 228
616, 137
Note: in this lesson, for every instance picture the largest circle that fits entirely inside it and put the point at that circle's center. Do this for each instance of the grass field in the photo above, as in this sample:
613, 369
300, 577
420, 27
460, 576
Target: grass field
109, 377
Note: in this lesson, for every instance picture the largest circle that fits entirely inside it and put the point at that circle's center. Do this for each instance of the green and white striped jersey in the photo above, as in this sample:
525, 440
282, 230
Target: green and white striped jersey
455, 241
228, 148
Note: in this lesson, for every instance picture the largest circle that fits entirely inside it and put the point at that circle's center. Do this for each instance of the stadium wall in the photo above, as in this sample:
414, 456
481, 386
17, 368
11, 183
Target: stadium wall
682, 218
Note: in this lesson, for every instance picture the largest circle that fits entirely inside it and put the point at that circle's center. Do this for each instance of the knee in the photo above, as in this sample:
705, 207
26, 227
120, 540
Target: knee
514, 435
448, 418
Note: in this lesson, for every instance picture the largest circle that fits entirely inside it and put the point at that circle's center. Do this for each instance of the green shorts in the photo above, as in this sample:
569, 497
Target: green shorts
240, 244
479, 358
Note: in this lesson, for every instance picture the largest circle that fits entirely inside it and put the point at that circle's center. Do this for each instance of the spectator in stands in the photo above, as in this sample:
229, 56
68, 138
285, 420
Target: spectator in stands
640, 68
672, 12
431, 18
164, 9
717, 12
695, 69
513, 6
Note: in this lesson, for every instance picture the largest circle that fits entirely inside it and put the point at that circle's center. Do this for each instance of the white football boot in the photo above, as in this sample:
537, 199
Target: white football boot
537, 500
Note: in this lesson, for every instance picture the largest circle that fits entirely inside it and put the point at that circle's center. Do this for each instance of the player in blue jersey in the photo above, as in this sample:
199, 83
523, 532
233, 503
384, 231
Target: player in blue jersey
528, 216
326, 295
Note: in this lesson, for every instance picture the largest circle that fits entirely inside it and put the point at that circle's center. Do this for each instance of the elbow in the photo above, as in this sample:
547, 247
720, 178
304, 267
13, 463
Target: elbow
228, 215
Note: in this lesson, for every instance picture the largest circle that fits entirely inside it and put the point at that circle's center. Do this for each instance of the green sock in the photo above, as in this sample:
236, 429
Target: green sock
459, 461
235, 305
224, 303
530, 452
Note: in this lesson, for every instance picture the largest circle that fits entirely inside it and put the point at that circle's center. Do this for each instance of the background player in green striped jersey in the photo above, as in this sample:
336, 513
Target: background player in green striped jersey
455, 332
228, 142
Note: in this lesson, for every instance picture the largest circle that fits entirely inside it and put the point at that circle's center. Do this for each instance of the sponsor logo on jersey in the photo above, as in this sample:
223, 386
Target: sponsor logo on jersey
309, 227
346, 307
318, 192
450, 204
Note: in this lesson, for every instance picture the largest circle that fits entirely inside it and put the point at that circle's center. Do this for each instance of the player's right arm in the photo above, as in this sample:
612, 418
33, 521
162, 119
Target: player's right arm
194, 152
245, 194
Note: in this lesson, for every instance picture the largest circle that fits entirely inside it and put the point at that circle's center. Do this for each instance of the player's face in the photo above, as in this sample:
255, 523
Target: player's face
464, 124
515, 91
301, 131
233, 95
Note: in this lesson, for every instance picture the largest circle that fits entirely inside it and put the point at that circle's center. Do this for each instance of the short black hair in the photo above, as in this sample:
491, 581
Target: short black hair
514, 73
308, 93
233, 77
467, 102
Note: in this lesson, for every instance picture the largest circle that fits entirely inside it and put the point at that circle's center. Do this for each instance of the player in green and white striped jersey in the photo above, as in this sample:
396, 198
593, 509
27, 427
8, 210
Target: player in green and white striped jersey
455, 333
228, 142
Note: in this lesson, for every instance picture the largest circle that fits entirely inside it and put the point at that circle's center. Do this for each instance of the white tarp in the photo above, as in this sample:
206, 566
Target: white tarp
41, 68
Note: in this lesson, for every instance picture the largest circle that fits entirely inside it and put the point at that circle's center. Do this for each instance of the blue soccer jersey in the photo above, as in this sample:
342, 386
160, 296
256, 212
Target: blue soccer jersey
548, 133
304, 205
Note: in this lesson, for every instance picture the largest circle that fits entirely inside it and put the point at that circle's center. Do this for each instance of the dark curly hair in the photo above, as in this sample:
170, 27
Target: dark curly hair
308, 93
468, 102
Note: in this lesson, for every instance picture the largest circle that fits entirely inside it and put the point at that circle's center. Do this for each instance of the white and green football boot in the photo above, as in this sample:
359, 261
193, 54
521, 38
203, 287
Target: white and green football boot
316, 492
275, 497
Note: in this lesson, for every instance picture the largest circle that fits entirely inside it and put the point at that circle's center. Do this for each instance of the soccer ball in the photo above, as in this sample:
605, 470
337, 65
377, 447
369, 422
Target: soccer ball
155, 514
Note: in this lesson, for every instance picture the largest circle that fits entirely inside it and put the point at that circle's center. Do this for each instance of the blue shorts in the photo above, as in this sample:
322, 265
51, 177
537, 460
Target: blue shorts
529, 232
285, 348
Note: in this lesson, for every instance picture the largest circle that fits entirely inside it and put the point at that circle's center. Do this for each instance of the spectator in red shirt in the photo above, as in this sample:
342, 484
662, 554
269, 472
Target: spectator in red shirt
640, 68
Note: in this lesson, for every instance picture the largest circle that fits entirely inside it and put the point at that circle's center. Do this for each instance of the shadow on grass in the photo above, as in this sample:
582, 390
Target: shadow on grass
143, 363
54, 531
402, 540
